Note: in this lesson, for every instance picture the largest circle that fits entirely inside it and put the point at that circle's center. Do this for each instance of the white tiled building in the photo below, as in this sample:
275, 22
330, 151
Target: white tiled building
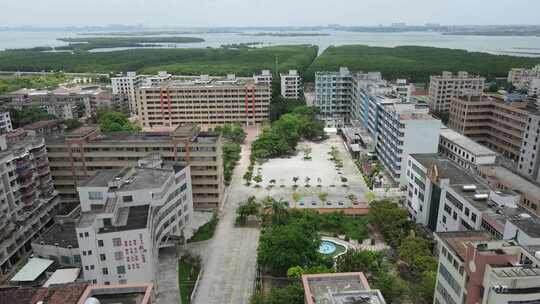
127, 215
290, 85
404, 129
464, 151
5, 123
127, 85
521, 77
263, 78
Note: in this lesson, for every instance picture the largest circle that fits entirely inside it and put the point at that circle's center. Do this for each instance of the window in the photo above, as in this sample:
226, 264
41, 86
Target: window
117, 242
105, 270
86, 234
473, 217
95, 196
467, 211
102, 257
100, 243
77, 259
92, 267
89, 252
119, 255
127, 199
449, 279
122, 281
81, 235
120, 269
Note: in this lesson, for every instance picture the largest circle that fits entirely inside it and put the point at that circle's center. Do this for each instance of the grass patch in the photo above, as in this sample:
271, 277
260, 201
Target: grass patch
206, 231
188, 271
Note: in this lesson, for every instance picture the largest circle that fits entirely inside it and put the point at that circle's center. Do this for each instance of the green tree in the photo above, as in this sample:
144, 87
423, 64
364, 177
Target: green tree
21, 118
369, 262
291, 294
231, 156
72, 124
232, 132
392, 288
110, 122
424, 288
277, 209
285, 246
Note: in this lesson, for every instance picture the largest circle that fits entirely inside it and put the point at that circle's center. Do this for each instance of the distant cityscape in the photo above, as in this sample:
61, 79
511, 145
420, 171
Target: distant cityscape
273, 185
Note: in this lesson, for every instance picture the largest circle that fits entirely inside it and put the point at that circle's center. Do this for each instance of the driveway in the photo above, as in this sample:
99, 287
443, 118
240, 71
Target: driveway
229, 263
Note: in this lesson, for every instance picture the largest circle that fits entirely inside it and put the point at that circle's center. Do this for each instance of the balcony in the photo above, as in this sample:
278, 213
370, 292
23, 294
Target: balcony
43, 171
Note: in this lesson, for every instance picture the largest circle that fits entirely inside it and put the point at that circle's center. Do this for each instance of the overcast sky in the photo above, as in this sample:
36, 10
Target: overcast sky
265, 12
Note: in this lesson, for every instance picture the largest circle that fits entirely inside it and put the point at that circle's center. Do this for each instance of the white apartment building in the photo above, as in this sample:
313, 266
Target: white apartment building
5, 123
464, 151
333, 96
403, 129
474, 269
263, 78
127, 215
529, 157
534, 87
521, 77
443, 88
161, 76
290, 85
127, 85
27, 198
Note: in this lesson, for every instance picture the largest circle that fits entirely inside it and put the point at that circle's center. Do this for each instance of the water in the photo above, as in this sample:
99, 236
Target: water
518, 46
327, 247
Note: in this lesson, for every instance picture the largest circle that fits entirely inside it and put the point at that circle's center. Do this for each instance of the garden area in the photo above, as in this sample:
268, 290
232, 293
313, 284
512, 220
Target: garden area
233, 136
188, 272
290, 246
206, 231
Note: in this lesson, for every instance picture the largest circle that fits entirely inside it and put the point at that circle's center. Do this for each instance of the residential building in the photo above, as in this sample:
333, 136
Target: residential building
204, 101
333, 96
473, 269
534, 87
63, 102
521, 77
154, 80
127, 85
5, 123
345, 287
80, 154
445, 197
404, 129
27, 197
263, 78
444, 88
290, 85
79, 293
45, 127
127, 215
464, 151
495, 121
529, 157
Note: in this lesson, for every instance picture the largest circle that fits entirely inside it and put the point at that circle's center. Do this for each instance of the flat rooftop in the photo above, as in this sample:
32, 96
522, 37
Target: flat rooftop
458, 240
129, 218
116, 294
62, 234
512, 180
138, 179
338, 288
466, 143
445, 168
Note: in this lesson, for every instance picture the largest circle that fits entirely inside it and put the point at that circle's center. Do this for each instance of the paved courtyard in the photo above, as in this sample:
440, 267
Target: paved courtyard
320, 170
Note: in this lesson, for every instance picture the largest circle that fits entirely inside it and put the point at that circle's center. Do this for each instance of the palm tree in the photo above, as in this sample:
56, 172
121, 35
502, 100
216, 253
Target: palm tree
295, 179
277, 209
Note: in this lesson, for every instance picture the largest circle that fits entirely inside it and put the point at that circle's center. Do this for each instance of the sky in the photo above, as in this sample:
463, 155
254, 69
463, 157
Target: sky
208, 13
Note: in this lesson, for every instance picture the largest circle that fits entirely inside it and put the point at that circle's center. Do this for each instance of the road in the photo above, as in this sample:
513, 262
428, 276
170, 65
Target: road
229, 265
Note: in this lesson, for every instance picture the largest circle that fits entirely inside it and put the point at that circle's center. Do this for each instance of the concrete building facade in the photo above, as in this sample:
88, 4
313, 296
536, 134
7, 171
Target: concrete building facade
529, 157
464, 151
333, 96
127, 215
495, 121
291, 84
128, 85
445, 87
27, 197
83, 152
5, 123
204, 101
403, 130
522, 77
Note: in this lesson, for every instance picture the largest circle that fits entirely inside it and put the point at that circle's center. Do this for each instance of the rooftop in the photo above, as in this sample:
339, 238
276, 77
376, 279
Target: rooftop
458, 240
129, 218
130, 178
511, 180
42, 124
115, 294
339, 288
70, 293
32, 270
62, 234
465, 142
444, 168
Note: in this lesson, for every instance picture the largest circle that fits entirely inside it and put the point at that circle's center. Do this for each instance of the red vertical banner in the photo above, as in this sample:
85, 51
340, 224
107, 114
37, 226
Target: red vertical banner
169, 101
253, 103
161, 100
247, 100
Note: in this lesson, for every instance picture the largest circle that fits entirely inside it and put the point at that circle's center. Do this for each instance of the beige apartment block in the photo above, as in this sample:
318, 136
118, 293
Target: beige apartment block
444, 88
496, 121
82, 153
204, 101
